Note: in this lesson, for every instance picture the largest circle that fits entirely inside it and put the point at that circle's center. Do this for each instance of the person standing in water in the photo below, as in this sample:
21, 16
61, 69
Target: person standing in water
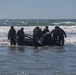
61, 34
20, 37
58, 35
12, 35
46, 29
54, 34
46, 36
37, 34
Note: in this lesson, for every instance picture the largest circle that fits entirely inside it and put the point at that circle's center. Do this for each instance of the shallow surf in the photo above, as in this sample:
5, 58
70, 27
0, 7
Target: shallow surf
54, 60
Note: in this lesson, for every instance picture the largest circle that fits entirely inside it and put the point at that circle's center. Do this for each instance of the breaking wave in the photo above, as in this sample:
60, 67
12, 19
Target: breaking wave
70, 31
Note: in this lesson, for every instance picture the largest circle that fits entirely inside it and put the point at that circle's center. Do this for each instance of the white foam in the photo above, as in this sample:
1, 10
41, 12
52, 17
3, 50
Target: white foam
65, 22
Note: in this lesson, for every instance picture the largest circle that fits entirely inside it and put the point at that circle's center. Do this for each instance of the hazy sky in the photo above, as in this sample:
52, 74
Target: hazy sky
37, 9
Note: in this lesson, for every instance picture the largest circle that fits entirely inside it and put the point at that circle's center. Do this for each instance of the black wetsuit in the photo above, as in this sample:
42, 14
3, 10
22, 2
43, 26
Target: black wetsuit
46, 39
20, 37
12, 36
61, 34
37, 33
54, 35
58, 36
45, 31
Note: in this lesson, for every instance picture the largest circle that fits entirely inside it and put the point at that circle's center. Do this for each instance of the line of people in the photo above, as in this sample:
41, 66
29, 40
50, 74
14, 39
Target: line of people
16, 37
45, 37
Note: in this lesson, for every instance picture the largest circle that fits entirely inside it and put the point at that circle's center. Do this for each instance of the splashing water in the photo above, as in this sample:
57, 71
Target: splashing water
70, 31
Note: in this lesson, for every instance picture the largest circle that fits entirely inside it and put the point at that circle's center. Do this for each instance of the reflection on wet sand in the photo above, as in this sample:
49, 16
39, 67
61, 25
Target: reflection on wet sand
21, 48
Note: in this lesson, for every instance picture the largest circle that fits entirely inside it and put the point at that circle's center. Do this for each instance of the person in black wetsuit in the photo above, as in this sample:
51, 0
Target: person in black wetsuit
54, 34
46, 38
58, 35
12, 35
20, 37
61, 34
45, 30
37, 34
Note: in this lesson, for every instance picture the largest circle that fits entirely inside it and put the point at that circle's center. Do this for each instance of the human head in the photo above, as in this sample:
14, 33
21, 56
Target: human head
22, 28
46, 27
56, 27
12, 27
37, 27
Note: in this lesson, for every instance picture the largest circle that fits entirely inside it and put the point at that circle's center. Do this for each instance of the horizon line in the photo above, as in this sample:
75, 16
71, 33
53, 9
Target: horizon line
36, 18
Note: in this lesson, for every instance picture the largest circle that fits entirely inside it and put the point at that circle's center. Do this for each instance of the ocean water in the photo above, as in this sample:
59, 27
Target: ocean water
47, 60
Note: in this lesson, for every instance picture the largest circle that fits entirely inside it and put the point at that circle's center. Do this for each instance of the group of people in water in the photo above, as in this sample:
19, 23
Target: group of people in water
16, 37
40, 38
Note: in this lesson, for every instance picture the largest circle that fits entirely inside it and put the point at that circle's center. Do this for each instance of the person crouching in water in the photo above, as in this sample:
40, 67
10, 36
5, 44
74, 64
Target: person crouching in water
20, 37
37, 33
12, 35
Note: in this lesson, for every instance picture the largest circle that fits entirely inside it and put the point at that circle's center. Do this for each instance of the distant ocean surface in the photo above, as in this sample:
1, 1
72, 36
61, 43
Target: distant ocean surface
35, 22
53, 60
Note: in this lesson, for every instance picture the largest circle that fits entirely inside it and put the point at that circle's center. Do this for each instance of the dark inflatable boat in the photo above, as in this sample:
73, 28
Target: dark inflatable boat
45, 40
